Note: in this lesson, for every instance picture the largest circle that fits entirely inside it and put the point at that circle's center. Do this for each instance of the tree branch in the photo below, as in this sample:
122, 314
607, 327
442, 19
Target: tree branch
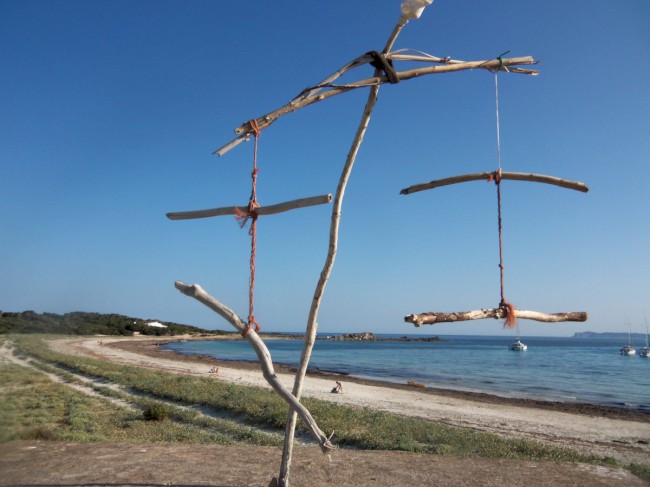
515, 176
433, 318
262, 210
197, 292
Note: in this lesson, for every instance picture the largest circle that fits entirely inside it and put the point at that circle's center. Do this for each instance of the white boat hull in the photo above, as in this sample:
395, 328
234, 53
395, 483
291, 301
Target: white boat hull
518, 346
627, 351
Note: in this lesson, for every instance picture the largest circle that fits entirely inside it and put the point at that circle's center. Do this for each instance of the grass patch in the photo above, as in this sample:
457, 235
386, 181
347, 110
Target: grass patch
353, 427
641, 471
32, 407
155, 412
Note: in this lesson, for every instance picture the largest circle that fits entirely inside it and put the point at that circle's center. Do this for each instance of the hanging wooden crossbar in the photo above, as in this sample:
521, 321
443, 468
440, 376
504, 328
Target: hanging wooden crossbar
504, 310
514, 176
433, 318
262, 210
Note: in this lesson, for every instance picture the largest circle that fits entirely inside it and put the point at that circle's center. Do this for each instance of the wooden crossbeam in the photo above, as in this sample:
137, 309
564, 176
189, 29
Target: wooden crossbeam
262, 210
433, 318
316, 94
515, 176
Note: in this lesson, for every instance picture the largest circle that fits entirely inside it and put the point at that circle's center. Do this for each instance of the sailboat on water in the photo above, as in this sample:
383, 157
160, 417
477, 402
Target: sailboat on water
645, 351
518, 345
628, 349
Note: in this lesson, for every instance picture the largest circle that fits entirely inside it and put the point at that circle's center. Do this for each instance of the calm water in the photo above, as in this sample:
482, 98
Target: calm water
586, 370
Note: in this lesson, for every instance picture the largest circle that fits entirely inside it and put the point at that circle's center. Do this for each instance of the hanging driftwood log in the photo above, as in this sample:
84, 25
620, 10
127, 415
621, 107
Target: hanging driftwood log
433, 318
515, 176
262, 210
197, 292
314, 94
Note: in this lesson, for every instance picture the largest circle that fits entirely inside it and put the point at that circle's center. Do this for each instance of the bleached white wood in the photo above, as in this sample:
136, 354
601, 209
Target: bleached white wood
262, 210
432, 318
313, 95
515, 176
197, 292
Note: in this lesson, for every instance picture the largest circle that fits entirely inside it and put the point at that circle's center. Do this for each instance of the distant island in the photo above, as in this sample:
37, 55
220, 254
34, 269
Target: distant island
371, 337
608, 334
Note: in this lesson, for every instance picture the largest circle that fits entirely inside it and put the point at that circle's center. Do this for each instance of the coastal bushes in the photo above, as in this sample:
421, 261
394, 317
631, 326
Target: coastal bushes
83, 323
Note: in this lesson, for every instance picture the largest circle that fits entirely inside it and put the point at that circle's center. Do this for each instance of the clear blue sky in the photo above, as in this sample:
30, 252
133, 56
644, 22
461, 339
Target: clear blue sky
110, 112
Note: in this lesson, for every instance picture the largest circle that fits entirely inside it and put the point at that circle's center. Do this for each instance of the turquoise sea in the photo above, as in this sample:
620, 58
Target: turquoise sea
583, 370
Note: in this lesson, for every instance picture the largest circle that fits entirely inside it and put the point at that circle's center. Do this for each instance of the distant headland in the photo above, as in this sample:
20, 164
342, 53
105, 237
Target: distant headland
607, 334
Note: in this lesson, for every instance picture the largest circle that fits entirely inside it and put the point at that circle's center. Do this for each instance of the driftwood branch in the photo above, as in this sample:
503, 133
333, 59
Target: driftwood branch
312, 320
262, 210
515, 176
427, 58
315, 94
433, 318
197, 292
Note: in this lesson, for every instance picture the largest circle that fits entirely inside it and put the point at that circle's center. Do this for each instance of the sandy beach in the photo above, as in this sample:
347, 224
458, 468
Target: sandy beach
621, 434
590, 429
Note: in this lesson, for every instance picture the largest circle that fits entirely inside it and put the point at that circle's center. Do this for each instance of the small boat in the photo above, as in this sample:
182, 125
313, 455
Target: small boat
628, 349
518, 346
645, 351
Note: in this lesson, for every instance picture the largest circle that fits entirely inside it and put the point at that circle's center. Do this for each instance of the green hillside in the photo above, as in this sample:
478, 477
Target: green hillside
82, 323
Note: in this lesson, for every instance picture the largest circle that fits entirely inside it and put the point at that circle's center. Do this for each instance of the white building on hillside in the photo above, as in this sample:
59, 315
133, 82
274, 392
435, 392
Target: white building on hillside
156, 324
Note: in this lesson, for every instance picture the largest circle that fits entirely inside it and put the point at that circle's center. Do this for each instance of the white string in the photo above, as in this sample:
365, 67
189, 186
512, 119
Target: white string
496, 87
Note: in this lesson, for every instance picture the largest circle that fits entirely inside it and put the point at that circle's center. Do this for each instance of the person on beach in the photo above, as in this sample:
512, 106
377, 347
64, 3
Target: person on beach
338, 389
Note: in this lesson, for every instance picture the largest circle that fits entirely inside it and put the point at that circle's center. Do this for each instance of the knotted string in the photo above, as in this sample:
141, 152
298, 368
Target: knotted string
507, 308
242, 219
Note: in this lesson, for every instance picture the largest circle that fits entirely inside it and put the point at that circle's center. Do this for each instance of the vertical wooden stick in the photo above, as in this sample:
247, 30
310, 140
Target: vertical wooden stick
312, 325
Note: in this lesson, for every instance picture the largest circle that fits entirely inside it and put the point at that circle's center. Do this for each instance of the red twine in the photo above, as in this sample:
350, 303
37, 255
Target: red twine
509, 309
242, 218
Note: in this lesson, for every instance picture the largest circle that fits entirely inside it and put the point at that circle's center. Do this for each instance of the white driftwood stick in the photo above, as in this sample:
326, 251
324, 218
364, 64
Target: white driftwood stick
312, 320
262, 210
296, 104
197, 292
427, 58
301, 101
515, 176
433, 318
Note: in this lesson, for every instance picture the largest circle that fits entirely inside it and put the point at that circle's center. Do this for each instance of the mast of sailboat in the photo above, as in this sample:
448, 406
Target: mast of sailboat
629, 333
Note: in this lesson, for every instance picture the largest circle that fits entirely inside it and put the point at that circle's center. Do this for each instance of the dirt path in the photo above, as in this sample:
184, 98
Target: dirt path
74, 464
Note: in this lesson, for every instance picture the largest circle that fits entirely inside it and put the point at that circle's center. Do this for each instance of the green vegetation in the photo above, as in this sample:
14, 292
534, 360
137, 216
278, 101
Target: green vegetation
80, 323
156, 412
33, 407
353, 427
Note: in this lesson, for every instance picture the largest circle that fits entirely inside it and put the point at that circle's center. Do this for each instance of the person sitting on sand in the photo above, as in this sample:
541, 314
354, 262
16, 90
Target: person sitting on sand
213, 370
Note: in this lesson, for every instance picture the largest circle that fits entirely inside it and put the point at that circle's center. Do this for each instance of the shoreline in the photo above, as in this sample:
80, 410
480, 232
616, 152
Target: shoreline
600, 410
621, 434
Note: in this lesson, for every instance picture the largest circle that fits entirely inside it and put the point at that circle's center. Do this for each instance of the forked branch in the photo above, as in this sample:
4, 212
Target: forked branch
197, 292
433, 318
